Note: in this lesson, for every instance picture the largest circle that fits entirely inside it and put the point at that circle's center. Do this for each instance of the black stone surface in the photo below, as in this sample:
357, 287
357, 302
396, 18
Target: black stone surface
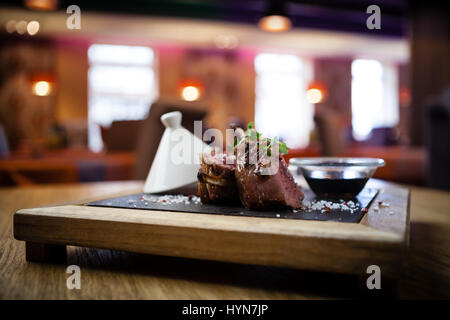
134, 201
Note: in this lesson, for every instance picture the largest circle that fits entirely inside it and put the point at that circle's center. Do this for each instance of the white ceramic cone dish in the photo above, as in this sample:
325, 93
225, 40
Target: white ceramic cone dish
176, 162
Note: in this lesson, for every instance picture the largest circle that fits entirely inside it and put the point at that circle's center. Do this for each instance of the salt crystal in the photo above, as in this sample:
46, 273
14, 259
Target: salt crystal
327, 206
174, 199
383, 204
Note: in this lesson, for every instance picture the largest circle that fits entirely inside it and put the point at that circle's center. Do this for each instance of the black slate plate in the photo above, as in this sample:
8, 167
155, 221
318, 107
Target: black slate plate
135, 201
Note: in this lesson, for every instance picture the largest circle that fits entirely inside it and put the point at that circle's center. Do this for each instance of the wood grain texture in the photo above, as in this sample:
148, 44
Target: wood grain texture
112, 274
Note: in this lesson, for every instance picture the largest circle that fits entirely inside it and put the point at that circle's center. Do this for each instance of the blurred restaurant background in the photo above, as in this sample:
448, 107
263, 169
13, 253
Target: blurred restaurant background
83, 104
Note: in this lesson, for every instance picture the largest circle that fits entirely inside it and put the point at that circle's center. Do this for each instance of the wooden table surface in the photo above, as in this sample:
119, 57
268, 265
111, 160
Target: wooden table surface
107, 274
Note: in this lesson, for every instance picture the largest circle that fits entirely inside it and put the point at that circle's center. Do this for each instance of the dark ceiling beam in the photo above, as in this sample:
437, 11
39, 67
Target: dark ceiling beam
342, 15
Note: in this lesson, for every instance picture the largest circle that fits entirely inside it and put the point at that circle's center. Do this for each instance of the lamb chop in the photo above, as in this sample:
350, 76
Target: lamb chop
216, 181
256, 184
261, 185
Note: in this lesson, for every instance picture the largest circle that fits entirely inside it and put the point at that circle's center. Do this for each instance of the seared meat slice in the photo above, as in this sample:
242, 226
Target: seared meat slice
249, 176
264, 192
216, 181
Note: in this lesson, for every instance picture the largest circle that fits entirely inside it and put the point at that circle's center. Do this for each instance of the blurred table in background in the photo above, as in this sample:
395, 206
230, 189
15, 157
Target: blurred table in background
65, 166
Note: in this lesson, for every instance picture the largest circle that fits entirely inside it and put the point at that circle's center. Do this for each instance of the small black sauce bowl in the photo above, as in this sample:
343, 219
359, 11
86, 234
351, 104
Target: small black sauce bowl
337, 177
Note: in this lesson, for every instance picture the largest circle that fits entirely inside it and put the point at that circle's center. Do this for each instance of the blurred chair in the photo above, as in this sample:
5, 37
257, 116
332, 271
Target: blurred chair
152, 130
438, 126
384, 136
330, 132
4, 147
122, 135
91, 170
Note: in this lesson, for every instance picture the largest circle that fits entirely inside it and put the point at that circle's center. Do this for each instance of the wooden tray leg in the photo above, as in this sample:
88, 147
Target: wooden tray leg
42, 252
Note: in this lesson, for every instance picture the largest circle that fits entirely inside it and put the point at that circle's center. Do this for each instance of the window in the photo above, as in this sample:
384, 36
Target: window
281, 108
374, 97
122, 86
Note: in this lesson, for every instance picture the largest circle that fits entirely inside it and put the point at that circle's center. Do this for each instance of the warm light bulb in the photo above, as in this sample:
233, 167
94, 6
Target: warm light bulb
42, 88
226, 41
314, 95
33, 27
275, 23
10, 26
44, 5
190, 93
21, 27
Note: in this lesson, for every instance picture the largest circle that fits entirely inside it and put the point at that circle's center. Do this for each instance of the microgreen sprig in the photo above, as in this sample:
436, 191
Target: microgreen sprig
254, 135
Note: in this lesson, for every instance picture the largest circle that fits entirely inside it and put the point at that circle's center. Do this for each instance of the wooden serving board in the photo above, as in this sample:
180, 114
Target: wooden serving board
380, 238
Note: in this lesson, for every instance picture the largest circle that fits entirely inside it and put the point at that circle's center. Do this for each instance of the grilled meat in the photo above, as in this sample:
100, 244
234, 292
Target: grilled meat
216, 181
254, 176
261, 190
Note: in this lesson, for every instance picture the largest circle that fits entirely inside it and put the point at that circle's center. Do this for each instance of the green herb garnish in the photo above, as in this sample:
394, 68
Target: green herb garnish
265, 143
283, 148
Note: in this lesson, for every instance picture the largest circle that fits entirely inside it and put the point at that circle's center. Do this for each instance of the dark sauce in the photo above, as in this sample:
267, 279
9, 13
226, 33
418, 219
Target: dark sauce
336, 188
